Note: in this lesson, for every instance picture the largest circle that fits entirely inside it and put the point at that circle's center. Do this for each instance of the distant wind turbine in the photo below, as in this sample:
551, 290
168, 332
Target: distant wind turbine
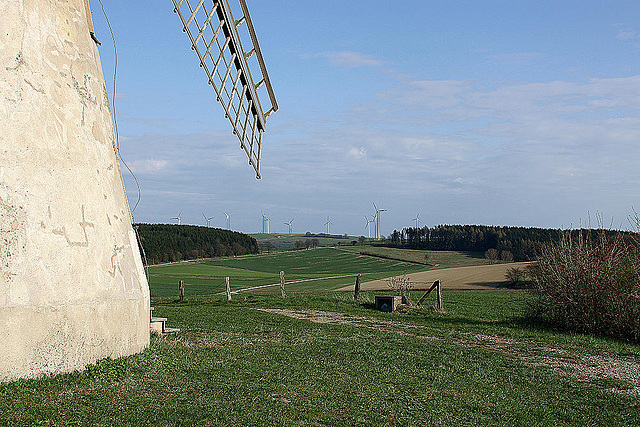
207, 220
378, 212
179, 217
417, 219
264, 220
227, 215
289, 224
328, 223
368, 226
375, 225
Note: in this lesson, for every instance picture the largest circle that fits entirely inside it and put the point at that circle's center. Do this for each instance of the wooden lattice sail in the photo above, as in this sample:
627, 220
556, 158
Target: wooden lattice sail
213, 31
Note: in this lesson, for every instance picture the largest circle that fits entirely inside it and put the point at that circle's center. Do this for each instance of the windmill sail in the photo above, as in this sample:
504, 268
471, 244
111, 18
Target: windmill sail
214, 36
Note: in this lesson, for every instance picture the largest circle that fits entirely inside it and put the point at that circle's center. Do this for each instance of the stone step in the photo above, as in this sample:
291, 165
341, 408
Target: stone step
156, 327
158, 324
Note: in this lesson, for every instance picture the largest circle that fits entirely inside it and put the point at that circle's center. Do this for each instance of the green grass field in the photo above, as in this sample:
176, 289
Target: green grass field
436, 259
318, 358
207, 276
233, 364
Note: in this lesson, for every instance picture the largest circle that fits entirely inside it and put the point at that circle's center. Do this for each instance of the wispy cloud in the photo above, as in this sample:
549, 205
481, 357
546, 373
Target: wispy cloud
351, 59
626, 33
517, 58
148, 166
357, 153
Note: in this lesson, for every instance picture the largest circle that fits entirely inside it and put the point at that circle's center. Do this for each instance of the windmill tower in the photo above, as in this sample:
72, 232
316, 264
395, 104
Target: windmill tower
207, 220
72, 284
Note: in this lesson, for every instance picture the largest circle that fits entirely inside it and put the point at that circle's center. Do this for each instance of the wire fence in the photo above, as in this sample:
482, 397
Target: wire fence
237, 291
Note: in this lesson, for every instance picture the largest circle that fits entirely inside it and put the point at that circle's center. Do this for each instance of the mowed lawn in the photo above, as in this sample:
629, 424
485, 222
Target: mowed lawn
208, 276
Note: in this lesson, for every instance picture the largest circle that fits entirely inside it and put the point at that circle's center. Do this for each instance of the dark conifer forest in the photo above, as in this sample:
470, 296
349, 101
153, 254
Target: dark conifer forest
169, 242
521, 243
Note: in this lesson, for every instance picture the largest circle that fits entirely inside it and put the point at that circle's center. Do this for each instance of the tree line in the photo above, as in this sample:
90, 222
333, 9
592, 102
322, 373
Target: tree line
170, 242
522, 243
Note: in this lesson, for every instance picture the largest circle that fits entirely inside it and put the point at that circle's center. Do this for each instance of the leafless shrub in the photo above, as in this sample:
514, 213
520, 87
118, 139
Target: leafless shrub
492, 255
506, 256
590, 282
402, 285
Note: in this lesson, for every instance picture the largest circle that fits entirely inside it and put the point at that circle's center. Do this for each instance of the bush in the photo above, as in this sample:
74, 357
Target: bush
402, 285
517, 278
590, 283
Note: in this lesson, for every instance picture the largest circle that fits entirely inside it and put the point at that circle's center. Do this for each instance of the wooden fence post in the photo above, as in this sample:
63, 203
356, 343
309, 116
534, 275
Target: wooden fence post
438, 288
282, 284
226, 279
356, 291
439, 299
181, 289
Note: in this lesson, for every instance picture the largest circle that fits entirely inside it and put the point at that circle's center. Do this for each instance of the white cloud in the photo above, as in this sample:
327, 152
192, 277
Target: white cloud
350, 59
429, 94
148, 166
357, 153
625, 34
517, 58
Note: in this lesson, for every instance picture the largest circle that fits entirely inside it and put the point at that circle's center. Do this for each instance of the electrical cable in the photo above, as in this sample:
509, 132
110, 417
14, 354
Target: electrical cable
117, 137
113, 108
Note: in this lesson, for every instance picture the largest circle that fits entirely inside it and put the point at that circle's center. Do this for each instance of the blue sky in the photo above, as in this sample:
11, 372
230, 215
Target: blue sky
519, 113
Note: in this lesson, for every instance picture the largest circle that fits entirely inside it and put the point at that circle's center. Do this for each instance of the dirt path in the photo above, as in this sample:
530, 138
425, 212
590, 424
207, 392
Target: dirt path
581, 366
473, 277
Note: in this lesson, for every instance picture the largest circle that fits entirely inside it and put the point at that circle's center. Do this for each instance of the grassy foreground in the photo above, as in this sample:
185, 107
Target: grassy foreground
234, 364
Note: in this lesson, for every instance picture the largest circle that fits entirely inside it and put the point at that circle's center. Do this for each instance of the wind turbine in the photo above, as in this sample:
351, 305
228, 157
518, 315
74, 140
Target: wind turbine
264, 219
179, 217
378, 212
208, 220
289, 224
375, 225
227, 215
417, 219
368, 226
328, 223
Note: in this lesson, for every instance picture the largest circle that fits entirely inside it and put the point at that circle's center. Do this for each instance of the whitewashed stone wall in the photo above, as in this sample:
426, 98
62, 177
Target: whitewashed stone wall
72, 284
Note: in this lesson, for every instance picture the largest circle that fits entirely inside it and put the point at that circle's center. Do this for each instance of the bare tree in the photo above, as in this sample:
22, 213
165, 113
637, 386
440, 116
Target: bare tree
506, 256
492, 255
